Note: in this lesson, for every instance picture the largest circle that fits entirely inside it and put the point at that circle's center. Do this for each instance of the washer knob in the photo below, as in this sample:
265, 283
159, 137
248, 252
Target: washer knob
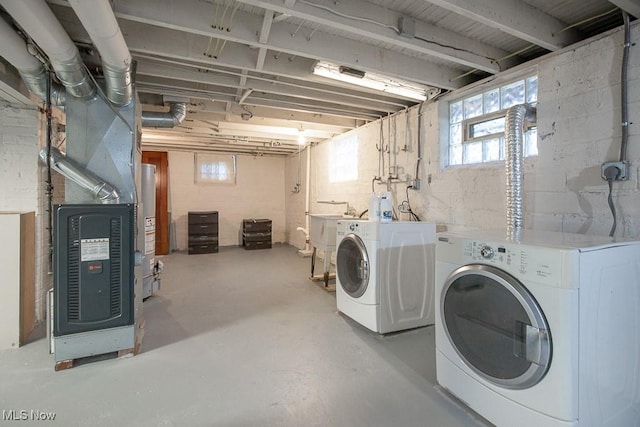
486, 252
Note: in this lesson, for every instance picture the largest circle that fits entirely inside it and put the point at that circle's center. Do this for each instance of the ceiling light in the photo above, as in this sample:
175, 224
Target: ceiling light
301, 139
371, 80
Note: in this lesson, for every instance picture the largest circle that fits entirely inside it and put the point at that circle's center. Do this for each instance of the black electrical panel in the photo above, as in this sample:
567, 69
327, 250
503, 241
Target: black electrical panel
93, 267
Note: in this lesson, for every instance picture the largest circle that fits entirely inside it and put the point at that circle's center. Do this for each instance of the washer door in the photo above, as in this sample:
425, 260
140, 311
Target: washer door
496, 326
352, 265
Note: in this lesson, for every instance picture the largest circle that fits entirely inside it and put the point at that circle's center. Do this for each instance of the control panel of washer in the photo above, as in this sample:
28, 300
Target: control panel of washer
359, 228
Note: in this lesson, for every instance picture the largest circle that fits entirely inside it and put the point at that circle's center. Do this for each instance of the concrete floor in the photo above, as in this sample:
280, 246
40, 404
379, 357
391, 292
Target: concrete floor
240, 338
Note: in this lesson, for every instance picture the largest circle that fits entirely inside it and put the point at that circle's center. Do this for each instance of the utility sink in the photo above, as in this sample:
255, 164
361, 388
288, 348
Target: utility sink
323, 231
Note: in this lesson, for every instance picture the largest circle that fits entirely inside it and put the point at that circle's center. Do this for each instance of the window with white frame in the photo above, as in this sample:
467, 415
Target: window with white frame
477, 123
215, 168
343, 158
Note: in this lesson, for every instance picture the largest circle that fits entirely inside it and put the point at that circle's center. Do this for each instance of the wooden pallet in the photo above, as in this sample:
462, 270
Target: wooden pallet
70, 363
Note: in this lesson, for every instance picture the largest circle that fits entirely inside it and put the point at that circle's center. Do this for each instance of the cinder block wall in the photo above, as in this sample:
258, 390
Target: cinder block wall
19, 174
579, 118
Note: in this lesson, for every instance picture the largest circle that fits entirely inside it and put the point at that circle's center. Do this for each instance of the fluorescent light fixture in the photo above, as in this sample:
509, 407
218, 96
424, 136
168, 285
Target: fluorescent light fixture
371, 80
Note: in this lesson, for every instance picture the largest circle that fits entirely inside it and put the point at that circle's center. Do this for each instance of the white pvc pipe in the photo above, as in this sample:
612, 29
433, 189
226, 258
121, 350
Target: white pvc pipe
35, 17
98, 19
307, 197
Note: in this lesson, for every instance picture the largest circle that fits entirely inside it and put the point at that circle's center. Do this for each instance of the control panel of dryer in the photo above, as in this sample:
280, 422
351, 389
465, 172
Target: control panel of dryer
527, 262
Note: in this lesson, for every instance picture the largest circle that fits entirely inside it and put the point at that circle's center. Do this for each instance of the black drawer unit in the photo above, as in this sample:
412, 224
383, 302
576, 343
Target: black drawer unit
256, 234
203, 232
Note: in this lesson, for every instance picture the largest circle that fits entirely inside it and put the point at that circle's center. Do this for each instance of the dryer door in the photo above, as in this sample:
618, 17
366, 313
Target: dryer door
352, 265
496, 326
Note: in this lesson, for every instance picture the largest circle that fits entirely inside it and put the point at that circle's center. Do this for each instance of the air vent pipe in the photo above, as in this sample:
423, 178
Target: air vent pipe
175, 116
515, 120
35, 17
98, 19
100, 189
14, 49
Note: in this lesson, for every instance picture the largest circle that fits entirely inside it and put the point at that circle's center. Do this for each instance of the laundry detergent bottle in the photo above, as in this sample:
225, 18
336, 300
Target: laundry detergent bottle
386, 207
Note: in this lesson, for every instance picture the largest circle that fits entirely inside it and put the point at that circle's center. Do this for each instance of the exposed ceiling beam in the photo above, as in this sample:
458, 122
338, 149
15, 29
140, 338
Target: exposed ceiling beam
191, 20
436, 41
517, 18
205, 148
212, 91
286, 104
203, 108
264, 37
317, 83
265, 86
632, 7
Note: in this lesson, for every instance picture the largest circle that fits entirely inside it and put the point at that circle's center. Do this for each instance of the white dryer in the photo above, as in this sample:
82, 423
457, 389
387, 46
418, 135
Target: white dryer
542, 331
385, 273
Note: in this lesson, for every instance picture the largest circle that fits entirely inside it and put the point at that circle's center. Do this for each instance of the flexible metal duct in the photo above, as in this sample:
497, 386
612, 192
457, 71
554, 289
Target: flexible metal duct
98, 19
175, 116
514, 159
102, 190
35, 17
14, 49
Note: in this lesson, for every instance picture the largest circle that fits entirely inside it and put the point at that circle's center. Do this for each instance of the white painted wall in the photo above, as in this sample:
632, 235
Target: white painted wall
258, 193
578, 129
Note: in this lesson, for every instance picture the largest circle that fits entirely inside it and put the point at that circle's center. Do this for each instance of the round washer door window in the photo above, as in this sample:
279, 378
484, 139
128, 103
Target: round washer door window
352, 265
496, 326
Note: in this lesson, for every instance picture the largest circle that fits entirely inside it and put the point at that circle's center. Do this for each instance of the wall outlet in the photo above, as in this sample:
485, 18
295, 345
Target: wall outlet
415, 184
622, 173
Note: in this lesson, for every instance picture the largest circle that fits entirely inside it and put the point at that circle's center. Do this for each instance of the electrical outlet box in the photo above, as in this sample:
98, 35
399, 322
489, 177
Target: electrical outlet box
415, 184
623, 170
407, 27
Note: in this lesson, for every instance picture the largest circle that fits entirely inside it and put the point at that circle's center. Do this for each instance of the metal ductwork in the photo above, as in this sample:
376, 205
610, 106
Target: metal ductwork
515, 120
100, 189
175, 116
98, 19
14, 49
35, 17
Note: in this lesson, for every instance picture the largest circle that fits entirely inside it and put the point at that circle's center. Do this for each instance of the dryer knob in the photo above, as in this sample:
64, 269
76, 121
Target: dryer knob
486, 252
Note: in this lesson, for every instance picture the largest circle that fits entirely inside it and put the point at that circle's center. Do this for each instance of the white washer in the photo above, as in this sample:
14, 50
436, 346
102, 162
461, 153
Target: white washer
542, 331
385, 273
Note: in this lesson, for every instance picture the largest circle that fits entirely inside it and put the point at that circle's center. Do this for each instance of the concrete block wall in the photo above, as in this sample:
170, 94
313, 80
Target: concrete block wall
19, 173
579, 118
258, 193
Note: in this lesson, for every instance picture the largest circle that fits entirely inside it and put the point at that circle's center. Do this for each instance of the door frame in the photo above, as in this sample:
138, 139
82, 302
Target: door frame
161, 161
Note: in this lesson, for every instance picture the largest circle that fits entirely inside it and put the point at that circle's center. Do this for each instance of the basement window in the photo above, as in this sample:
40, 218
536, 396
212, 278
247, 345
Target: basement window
215, 168
343, 159
477, 123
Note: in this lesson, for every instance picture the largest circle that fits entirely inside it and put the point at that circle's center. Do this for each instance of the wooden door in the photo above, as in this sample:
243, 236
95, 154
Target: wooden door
160, 160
